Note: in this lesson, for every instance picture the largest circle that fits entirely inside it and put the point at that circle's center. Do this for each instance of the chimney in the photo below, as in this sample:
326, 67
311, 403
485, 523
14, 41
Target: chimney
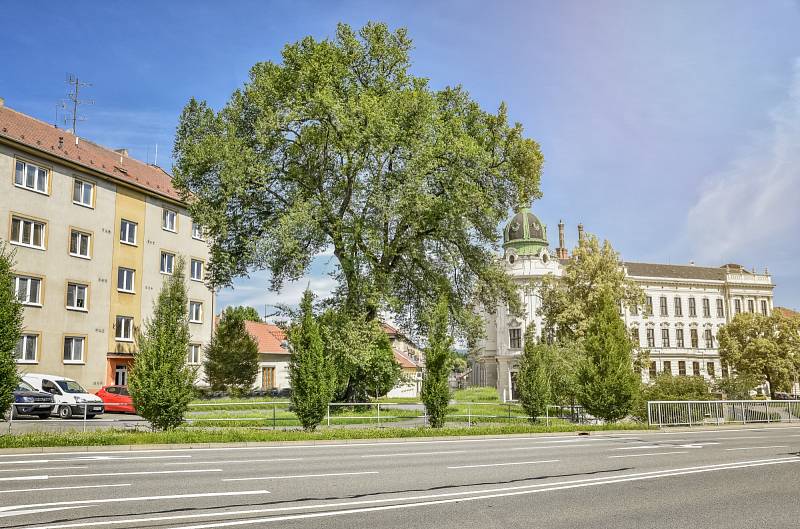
561, 251
2, 102
580, 232
122, 152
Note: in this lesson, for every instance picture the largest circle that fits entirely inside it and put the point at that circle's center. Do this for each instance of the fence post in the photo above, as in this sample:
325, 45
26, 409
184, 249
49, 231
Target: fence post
509, 411
744, 414
85, 413
379, 415
789, 411
469, 414
766, 409
274, 413
546, 415
689, 405
11, 415
329, 415
649, 415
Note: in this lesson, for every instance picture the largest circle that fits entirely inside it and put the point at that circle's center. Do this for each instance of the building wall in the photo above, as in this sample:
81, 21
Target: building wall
280, 362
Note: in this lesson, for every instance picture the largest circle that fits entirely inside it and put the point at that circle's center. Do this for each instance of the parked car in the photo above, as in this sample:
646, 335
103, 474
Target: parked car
117, 398
780, 395
69, 396
28, 401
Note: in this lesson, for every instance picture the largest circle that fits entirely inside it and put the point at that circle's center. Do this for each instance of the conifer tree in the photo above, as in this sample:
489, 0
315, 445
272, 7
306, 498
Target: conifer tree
607, 383
232, 355
161, 383
534, 377
310, 371
438, 363
10, 328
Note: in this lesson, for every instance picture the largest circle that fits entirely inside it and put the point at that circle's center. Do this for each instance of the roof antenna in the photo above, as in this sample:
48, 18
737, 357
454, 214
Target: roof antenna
75, 86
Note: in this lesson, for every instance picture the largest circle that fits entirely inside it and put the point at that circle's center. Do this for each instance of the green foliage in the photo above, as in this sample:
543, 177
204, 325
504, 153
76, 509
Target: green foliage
340, 146
764, 347
570, 301
232, 355
310, 371
738, 386
10, 328
438, 364
245, 312
546, 375
668, 387
362, 355
161, 382
607, 384
477, 394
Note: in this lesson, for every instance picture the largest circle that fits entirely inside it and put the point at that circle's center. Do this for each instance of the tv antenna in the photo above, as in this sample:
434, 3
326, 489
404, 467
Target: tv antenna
74, 101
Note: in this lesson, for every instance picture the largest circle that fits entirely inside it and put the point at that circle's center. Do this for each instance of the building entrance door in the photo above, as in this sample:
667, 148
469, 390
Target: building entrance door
121, 375
267, 378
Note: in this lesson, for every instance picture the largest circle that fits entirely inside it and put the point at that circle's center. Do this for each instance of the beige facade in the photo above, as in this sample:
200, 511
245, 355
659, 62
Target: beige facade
64, 201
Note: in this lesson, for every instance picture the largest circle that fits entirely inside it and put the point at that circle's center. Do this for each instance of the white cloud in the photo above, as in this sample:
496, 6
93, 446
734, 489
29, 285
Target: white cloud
254, 292
752, 207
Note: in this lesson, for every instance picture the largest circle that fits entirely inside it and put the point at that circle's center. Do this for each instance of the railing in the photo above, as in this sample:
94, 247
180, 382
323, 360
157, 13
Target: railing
716, 412
85, 406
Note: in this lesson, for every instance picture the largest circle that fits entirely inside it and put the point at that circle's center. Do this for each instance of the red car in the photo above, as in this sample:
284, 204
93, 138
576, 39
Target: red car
116, 398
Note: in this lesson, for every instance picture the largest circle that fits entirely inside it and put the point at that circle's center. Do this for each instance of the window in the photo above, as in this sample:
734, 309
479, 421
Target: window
197, 270
679, 337
80, 244
634, 310
169, 219
124, 329
267, 377
662, 303
708, 338
649, 305
77, 296
195, 312
83, 193
750, 306
515, 338
127, 232
197, 231
27, 232
696, 369
720, 309
678, 307
194, 354
651, 338
125, 279
693, 335
692, 308
25, 351
73, 349
706, 308
711, 369
682, 368
635, 336
28, 289
31, 177
737, 303
652, 371
664, 337
667, 367
167, 262
764, 307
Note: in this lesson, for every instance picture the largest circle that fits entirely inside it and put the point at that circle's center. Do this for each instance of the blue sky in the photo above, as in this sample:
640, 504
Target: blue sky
670, 128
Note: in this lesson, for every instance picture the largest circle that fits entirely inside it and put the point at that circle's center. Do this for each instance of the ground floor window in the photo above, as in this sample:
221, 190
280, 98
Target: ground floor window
121, 375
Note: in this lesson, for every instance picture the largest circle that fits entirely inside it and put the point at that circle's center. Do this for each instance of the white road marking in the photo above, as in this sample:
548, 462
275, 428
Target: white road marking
586, 445
23, 478
508, 464
11, 510
756, 447
66, 488
37, 511
404, 454
140, 473
452, 497
224, 462
38, 468
92, 458
746, 437
301, 476
649, 454
639, 447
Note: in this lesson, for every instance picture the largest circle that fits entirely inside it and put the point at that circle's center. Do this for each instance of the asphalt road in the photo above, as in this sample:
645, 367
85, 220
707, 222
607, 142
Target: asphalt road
738, 477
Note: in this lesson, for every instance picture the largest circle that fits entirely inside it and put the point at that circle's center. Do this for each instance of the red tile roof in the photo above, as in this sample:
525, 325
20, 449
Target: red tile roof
57, 142
268, 336
403, 360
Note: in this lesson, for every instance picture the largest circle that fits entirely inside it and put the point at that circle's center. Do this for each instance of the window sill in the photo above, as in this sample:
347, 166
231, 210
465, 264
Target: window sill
77, 309
198, 239
195, 321
166, 273
87, 206
126, 243
124, 340
32, 305
84, 257
74, 362
32, 247
28, 362
197, 280
169, 230
121, 291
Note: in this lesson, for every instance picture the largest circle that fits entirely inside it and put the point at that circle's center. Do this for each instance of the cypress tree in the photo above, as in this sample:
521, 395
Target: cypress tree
607, 384
162, 384
534, 377
10, 328
438, 363
310, 371
232, 355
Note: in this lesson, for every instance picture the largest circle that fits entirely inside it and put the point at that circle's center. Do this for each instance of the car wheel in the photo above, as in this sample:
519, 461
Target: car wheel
64, 412
44, 415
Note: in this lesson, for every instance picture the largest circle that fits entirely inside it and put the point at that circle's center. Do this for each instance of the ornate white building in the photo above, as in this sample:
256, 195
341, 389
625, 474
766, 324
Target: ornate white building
686, 306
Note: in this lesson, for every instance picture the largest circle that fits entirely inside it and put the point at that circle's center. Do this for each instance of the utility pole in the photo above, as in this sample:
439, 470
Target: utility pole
75, 85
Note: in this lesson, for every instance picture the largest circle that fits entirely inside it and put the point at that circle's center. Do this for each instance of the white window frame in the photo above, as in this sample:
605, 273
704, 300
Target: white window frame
123, 328
129, 226
28, 280
164, 261
23, 221
81, 235
198, 307
72, 349
34, 187
77, 287
128, 273
82, 185
197, 231
23, 350
193, 358
166, 215
201, 266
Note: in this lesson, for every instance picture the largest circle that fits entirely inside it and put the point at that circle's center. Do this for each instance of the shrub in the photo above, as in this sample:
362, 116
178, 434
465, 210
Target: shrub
438, 363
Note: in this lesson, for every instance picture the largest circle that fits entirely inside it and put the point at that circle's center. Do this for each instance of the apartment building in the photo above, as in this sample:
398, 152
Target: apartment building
96, 233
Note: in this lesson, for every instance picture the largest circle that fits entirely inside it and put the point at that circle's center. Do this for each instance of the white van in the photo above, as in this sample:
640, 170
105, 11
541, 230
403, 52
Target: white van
70, 397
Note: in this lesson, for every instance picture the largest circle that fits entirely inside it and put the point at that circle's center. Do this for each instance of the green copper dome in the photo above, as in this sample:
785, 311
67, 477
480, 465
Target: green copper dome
525, 233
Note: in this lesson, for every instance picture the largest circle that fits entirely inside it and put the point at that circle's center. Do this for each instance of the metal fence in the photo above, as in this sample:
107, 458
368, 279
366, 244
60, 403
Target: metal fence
717, 412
